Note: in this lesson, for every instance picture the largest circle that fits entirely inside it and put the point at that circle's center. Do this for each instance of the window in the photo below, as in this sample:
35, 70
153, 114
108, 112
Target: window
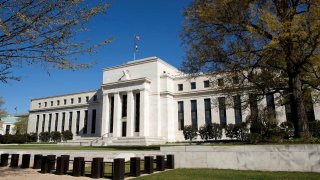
271, 108
79, 99
137, 114
93, 127
94, 98
39, 105
51, 103
43, 122
64, 101
63, 121
206, 84
207, 110
87, 98
58, 102
70, 121
49, 125
193, 85
237, 109
124, 106
309, 107
222, 110
56, 123
45, 104
85, 123
72, 100
78, 122
111, 114
235, 80
180, 115
220, 82
180, 87
253, 105
194, 118
37, 125
7, 129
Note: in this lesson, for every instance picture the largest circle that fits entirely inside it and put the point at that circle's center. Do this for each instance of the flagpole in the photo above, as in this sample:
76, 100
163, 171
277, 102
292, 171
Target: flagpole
134, 47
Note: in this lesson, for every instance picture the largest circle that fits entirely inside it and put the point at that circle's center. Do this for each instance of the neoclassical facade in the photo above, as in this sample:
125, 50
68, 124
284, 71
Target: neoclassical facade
142, 102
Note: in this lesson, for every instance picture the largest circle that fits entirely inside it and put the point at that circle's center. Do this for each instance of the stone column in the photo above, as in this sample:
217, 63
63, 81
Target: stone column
105, 115
74, 123
130, 114
40, 124
144, 112
117, 116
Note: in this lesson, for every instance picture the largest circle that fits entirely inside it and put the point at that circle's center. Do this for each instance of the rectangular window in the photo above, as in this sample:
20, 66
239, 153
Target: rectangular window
235, 80
220, 82
271, 105
206, 84
37, 125
71, 100
58, 102
193, 85
56, 123
70, 121
111, 114
180, 115
49, 125
51, 103
194, 116
45, 104
85, 123
43, 121
207, 110
78, 122
253, 105
94, 98
237, 109
39, 105
124, 106
180, 87
63, 121
93, 127
222, 110
7, 129
309, 107
137, 114
64, 101
79, 99
87, 98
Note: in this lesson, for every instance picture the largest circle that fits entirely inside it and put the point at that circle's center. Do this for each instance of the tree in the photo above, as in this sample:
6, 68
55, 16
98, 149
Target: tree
55, 136
44, 136
43, 32
2, 112
272, 46
189, 132
67, 135
21, 125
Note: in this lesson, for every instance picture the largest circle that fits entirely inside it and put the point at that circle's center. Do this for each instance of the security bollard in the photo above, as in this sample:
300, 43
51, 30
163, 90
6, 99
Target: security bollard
25, 161
97, 168
14, 160
4, 159
44, 164
160, 163
118, 169
37, 161
170, 161
78, 166
148, 164
51, 161
135, 166
60, 166
66, 159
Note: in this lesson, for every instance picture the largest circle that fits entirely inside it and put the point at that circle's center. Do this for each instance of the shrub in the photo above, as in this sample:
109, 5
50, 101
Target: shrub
288, 129
189, 132
215, 131
12, 139
44, 136
55, 136
254, 138
203, 132
237, 131
314, 128
67, 135
32, 137
231, 131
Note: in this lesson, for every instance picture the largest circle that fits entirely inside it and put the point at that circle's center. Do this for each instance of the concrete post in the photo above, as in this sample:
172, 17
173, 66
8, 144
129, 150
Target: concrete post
97, 168
37, 161
60, 166
118, 169
135, 166
160, 163
14, 160
4, 159
170, 161
78, 166
148, 164
25, 161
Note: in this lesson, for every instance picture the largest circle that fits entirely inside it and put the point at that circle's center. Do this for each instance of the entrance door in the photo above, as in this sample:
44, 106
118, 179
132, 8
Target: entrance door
124, 129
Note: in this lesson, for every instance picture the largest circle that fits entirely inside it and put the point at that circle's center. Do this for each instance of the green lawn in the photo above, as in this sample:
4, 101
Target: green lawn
229, 174
58, 147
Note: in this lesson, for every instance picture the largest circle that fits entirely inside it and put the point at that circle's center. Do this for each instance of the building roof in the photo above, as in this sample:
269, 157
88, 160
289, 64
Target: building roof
9, 119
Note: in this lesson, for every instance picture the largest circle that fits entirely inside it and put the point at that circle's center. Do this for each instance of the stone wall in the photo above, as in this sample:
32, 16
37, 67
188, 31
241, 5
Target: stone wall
248, 157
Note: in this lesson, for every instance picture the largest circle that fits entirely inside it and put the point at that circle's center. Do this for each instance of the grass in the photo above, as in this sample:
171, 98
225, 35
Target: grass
58, 147
229, 174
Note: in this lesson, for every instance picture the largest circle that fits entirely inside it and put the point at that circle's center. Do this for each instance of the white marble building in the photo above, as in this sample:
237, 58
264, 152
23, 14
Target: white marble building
145, 101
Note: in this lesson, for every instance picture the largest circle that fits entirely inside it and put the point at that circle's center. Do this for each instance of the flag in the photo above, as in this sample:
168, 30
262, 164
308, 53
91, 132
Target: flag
136, 37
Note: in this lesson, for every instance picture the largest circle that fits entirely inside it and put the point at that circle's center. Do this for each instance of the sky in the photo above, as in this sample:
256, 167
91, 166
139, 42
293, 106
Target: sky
157, 22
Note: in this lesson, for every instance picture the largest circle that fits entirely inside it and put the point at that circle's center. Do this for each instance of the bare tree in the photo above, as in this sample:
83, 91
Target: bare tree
43, 32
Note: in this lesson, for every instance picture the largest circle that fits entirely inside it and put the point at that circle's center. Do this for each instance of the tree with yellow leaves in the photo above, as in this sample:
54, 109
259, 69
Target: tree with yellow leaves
272, 45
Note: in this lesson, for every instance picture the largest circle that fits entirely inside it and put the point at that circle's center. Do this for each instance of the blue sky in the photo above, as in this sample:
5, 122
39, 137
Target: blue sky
157, 22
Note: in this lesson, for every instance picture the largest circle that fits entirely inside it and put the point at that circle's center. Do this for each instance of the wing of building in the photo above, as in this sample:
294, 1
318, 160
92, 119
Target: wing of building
141, 102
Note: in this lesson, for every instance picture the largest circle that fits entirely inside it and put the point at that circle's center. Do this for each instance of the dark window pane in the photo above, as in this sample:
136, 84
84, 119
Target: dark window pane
124, 105
206, 84
220, 82
207, 109
85, 122
194, 118
180, 115
222, 110
193, 85
137, 114
237, 109
180, 87
111, 114
93, 127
